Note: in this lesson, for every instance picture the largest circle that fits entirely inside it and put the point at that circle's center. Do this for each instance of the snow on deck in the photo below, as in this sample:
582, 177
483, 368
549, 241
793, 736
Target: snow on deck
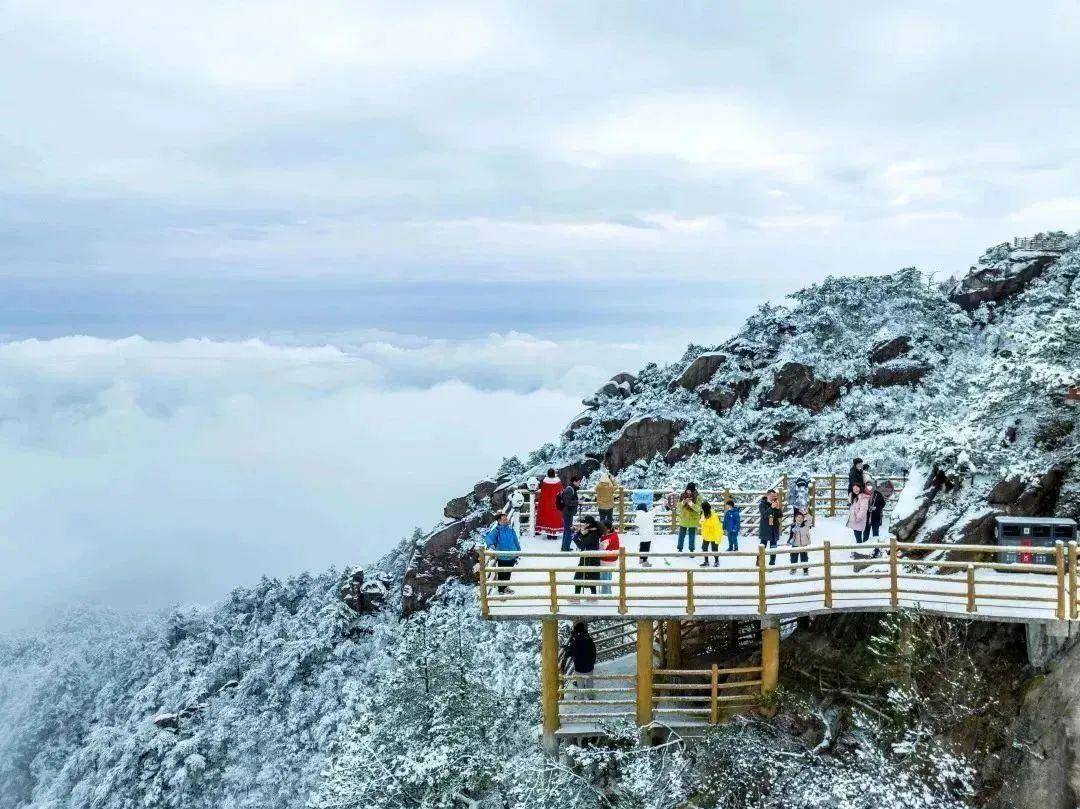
858, 583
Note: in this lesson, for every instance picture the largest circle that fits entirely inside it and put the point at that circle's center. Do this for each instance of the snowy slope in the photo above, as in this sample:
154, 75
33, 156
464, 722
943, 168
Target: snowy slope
283, 696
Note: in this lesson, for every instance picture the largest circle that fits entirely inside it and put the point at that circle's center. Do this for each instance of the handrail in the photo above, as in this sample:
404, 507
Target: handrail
556, 583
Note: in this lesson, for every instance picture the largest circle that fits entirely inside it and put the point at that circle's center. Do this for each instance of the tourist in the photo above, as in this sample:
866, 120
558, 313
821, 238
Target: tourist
732, 524
855, 474
646, 529
608, 542
769, 522
581, 651
587, 540
549, 521
567, 503
712, 531
859, 513
800, 538
503, 539
689, 514
605, 498
877, 508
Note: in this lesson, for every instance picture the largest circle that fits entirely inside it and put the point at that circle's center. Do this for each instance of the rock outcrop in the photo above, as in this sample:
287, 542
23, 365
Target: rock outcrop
1042, 765
884, 376
682, 451
699, 371
640, 440
724, 397
890, 350
1006, 491
796, 384
456, 508
998, 282
439, 559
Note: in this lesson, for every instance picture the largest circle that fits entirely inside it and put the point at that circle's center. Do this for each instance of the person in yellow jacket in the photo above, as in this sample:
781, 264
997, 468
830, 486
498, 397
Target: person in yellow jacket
712, 531
605, 498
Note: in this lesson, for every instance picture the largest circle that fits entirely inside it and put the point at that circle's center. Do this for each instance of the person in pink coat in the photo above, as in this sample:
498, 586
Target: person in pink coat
859, 513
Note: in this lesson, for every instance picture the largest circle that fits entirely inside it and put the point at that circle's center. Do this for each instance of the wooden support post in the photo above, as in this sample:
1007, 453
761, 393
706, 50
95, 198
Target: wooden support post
894, 573
714, 704
1074, 607
832, 496
1059, 558
621, 503
812, 504
971, 588
689, 592
622, 580
672, 644
762, 606
644, 672
770, 654
553, 592
531, 500
827, 567
675, 519
549, 681
483, 582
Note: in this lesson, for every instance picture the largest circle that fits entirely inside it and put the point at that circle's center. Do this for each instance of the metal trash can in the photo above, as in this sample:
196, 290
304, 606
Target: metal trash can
1037, 533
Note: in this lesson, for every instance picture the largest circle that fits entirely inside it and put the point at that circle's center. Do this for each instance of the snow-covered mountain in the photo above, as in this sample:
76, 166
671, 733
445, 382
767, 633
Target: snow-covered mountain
295, 693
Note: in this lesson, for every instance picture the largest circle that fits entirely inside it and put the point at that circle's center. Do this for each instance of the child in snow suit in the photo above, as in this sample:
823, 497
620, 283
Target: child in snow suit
712, 531
732, 525
799, 538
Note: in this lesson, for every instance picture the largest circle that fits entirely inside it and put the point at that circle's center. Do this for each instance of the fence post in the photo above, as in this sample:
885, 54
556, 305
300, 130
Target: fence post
894, 573
549, 680
483, 582
1059, 558
621, 494
714, 704
1074, 607
675, 519
553, 592
761, 579
971, 588
532, 512
813, 497
832, 495
622, 580
827, 567
644, 672
770, 654
689, 592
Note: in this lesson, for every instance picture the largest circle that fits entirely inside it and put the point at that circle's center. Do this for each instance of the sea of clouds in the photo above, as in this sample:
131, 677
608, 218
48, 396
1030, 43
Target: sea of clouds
138, 473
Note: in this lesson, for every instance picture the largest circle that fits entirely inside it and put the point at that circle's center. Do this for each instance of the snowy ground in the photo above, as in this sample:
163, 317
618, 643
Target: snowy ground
733, 588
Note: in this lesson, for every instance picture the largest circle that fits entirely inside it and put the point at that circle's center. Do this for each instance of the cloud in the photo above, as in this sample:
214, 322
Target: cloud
142, 473
1053, 214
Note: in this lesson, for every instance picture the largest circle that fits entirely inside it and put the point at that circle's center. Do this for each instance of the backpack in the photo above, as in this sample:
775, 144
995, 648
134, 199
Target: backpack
560, 503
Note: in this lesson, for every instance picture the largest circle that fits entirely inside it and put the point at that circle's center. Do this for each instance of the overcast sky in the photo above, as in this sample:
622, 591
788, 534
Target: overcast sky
417, 234
753, 143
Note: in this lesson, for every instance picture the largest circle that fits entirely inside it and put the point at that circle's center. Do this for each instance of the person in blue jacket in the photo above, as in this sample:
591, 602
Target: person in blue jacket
502, 539
732, 524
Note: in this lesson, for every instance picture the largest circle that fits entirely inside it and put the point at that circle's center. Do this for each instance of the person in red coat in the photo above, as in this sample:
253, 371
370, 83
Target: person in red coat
549, 519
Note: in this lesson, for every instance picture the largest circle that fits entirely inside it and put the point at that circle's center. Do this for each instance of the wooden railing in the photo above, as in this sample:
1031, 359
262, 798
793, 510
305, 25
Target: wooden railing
695, 693
704, 692
1053, 243
827, 496
917, 576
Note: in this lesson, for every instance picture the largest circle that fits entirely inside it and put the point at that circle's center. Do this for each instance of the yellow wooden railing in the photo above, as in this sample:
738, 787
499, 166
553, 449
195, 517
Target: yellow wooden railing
543, 584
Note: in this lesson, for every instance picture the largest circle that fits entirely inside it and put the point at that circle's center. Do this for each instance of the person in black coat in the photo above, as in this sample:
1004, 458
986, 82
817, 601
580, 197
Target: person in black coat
877, 508
855, 474
588, 539
580, 650
769, 522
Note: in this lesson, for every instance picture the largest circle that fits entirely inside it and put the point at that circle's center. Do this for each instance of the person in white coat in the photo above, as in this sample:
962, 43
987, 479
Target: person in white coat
643, 519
